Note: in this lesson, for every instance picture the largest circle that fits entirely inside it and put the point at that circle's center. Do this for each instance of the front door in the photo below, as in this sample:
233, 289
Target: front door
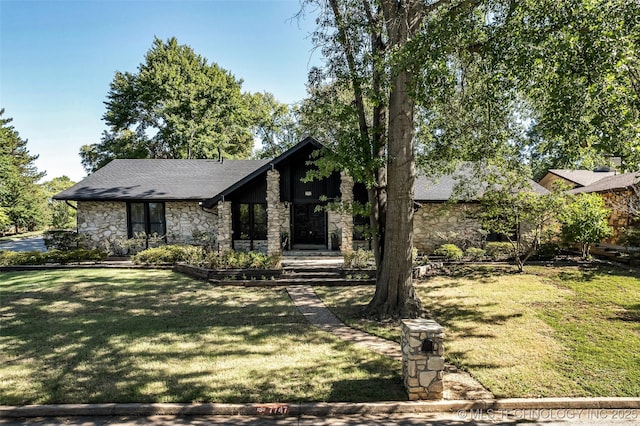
309, 225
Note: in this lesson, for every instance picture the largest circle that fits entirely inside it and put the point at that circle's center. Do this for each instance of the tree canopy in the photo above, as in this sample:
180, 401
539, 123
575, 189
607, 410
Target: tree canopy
177, 105
21, 198
510, 85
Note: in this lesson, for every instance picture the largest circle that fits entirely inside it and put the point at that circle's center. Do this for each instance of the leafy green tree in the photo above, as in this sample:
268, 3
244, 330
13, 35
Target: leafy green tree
580, 74
276, 125
21, 199
176, 105
585, 221
447, 80
526, 219
5, 222
61, 215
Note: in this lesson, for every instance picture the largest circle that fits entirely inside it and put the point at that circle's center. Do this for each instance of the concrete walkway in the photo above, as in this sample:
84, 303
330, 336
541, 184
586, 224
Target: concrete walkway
459, 385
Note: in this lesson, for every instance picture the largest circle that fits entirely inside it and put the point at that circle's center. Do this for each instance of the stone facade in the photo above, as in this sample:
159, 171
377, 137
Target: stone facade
102, 221
435, 224
423, 363
346, 219
619, 219
105, 222
225, 232
277, 213
186, 220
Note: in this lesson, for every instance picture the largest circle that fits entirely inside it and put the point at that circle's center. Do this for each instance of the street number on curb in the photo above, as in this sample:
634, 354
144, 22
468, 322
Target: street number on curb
272, 409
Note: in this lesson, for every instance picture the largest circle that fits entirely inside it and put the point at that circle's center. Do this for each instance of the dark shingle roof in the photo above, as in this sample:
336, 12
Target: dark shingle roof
442, 189
160, 179
610, 183
581, 177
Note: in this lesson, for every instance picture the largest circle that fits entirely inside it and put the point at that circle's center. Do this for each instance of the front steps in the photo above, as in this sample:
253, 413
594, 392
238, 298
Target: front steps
308, 270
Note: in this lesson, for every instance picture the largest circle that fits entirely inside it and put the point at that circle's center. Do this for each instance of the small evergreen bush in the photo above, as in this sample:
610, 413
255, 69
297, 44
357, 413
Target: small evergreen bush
63, 239
358, 259
78, 255
8, 258
475, 253
499, 250
548, 251
242, 260
170, 254
449, 251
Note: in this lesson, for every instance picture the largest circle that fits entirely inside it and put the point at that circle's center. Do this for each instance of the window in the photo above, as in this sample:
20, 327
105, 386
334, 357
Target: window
249, 221
146, 218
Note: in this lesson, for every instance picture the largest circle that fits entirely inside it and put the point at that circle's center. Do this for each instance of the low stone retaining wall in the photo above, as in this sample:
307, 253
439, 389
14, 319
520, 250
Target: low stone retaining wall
230, 274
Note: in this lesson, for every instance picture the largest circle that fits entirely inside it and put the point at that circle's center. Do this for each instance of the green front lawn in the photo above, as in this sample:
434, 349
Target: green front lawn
548, 332
80, 336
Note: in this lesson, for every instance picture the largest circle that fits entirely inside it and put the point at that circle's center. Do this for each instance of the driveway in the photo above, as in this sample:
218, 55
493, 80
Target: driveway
25, 244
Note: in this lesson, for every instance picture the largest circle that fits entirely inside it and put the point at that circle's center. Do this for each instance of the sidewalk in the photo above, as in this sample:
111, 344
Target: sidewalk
459, 385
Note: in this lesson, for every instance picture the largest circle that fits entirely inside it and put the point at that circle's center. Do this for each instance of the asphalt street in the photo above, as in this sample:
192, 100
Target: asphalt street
25, 244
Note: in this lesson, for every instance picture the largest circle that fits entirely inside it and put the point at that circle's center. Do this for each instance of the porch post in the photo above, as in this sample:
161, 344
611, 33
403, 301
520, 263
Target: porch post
225, 233
346, 219
274, 221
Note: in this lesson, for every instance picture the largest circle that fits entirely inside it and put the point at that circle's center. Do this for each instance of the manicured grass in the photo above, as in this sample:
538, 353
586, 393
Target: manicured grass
80, 336
548, 332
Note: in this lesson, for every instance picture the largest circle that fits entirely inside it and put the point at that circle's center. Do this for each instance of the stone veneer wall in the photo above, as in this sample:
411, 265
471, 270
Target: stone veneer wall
101, 221
435, 224
346, 225
225, 233
184, 219
422, 369
278, 221
618, 219
104, 221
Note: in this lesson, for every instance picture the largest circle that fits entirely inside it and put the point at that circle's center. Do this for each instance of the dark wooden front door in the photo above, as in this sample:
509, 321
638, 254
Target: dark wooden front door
309, 225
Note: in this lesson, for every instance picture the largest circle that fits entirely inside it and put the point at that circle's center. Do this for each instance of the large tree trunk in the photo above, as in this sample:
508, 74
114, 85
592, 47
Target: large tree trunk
395, 296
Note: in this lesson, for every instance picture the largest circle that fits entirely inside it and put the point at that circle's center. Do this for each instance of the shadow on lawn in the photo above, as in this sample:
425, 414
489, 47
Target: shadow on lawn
87, 339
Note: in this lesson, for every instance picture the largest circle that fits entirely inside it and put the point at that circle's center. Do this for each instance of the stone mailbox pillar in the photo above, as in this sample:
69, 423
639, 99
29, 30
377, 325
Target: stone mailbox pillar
423, 358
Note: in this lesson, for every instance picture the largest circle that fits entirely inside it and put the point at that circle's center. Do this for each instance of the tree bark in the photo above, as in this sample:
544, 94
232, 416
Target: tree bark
395, 295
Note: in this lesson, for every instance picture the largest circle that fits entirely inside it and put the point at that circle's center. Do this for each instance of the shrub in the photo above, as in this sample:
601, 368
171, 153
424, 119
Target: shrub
78, 255
358, 259
170, 254
631, 237
63, 239
475, 253
449, 251
499, 250
22, 258
242, 260
548, 251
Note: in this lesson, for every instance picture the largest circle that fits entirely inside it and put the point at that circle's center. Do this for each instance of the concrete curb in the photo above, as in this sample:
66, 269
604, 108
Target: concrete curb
312, 409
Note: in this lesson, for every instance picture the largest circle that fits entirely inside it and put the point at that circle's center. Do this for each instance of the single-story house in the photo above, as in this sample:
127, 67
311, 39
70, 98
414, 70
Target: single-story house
620, 194
248, 204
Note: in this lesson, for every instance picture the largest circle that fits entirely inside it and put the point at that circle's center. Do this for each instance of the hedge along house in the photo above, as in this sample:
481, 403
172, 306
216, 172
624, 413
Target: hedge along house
238, 204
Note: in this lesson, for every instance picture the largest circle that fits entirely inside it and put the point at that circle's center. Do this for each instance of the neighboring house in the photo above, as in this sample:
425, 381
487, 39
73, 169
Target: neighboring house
248, 204
439, 219
620, 195
575, 178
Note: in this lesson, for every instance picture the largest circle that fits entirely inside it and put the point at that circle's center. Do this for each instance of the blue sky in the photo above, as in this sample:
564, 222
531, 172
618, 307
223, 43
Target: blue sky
57, 58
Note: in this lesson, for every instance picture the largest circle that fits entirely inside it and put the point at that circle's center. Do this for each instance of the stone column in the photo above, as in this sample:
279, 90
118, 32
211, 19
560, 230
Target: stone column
346, 220
274, 221
225, 232
423, 358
